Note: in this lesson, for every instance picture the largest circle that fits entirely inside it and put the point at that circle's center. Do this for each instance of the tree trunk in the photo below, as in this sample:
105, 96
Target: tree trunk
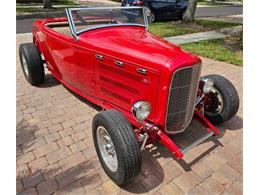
190, 11
47, 4
213, 1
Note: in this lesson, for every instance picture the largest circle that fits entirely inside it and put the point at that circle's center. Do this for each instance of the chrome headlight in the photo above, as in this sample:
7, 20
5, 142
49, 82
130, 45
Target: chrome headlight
141, 110
208, 84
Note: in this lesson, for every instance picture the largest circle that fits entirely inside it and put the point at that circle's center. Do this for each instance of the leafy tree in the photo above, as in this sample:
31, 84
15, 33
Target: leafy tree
190, 11
47, 3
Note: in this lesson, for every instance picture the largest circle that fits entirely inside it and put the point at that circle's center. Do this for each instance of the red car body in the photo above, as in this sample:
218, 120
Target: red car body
74, 63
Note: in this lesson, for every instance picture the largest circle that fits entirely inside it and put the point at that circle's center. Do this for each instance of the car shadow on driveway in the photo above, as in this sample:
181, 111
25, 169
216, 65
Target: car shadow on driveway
49, 81
83, 100
150, 177
201, 151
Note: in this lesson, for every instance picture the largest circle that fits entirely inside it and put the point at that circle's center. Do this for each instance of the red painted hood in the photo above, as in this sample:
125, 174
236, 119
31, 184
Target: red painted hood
137, 45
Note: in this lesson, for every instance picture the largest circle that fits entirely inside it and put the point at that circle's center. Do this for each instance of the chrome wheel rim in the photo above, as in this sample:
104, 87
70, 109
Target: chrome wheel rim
25, 67
107, 149
220, 106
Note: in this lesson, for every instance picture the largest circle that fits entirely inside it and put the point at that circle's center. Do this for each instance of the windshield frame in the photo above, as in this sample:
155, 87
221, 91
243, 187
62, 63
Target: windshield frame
75, 33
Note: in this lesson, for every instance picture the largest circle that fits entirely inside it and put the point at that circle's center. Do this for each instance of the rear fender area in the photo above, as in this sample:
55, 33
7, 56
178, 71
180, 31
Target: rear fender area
36, 39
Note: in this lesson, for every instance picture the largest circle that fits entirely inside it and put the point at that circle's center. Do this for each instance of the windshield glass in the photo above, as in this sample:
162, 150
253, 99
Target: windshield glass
83, 19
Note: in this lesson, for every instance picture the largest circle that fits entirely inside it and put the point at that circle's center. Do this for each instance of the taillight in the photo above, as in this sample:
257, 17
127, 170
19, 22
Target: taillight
138, 3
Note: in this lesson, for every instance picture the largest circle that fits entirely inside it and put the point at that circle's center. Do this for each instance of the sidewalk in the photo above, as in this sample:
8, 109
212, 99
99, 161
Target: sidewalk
202, 36
55, 152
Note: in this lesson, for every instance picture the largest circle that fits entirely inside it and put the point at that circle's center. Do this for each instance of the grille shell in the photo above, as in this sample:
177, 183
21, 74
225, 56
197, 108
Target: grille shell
182, 97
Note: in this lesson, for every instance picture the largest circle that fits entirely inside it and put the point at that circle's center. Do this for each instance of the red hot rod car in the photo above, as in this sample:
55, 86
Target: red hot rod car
147, 87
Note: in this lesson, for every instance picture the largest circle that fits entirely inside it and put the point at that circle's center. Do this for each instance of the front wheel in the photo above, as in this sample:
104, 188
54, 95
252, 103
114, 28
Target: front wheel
223, 100
117, 147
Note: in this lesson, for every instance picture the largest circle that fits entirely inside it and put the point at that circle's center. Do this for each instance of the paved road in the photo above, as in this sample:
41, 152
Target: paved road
219, 11
24, 25
56, 155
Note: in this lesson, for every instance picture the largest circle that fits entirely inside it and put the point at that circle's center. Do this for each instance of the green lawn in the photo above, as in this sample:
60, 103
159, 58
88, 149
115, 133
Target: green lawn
218, 50
212, 24
167, 29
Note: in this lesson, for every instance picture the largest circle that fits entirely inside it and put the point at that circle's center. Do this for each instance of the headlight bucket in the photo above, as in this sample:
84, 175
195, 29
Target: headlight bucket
141, 110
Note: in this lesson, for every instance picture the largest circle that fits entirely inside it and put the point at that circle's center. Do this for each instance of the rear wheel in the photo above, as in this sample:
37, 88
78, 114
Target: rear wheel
31, 63
223, 100
117, 147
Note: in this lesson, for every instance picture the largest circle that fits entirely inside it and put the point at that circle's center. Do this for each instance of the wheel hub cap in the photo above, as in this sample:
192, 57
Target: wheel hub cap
218, 107
107, 149
25, 67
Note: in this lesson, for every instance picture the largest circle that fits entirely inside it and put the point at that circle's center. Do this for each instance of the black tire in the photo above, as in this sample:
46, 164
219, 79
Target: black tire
34, 64
125, 143
230, 98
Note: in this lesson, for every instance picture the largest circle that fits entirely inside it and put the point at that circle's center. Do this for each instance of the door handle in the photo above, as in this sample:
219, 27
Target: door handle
141, 71
119, 63
100, 57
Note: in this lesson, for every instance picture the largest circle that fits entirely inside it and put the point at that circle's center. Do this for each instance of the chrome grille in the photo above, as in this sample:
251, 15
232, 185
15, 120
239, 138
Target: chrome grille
182, 96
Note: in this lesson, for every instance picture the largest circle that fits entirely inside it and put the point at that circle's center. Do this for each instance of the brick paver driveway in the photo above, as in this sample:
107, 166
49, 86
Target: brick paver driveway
55, 152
